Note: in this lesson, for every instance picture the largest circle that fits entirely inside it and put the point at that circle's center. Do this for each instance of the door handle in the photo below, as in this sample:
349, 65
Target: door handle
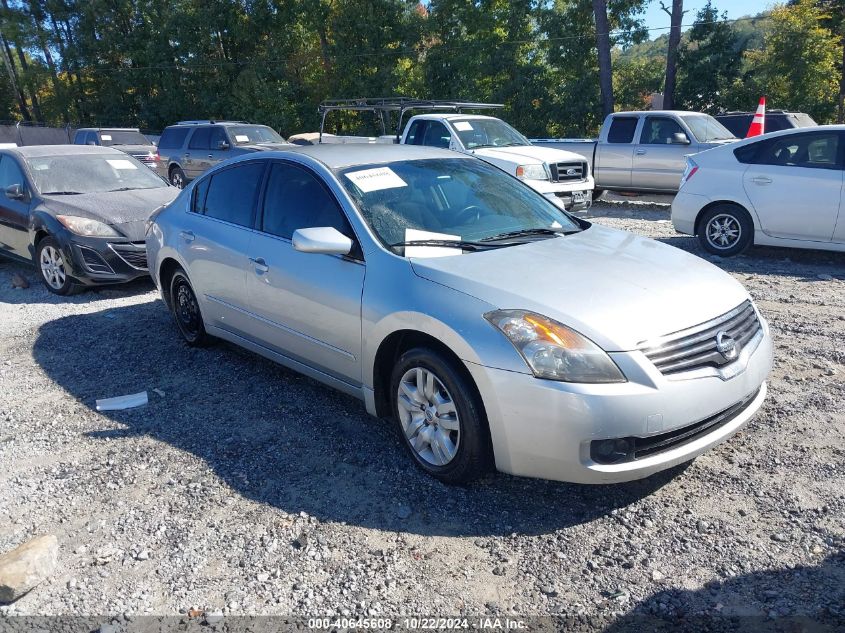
640, 152
762, 180
188, 236
260, 265
210, 156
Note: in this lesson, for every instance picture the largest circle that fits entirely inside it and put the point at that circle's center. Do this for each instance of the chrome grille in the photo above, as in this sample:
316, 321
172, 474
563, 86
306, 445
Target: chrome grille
134, 254
567, 172
696, 347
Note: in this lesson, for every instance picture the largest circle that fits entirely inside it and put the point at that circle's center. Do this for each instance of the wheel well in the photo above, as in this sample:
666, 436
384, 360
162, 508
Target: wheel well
393, 347
165, 274
711, 205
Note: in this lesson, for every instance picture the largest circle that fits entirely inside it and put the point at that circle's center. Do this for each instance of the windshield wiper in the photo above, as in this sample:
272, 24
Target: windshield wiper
127, 189
527, 233
462, 244
62, 193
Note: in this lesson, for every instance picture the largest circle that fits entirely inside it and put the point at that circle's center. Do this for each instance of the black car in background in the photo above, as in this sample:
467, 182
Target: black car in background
189, 148
78, 213
776, 120
126, 139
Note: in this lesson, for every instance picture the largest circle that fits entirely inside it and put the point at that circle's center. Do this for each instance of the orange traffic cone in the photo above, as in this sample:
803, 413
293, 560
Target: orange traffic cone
758, 123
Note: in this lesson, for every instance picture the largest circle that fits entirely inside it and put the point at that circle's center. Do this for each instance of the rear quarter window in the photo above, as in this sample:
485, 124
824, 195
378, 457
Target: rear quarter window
172, 138
622, 130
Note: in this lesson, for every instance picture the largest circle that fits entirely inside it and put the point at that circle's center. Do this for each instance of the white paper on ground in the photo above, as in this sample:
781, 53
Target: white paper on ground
412, 235
119, 403
240, 138
368, 180
121, 163
463, 126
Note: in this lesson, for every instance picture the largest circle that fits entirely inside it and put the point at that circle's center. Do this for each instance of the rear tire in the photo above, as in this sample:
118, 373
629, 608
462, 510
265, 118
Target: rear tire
439, 416
726, 230
186, 311
53, 270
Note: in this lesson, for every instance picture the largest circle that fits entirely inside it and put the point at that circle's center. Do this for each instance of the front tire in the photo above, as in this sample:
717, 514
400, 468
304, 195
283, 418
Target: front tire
53, 269
439, 416
726, 230
186, 311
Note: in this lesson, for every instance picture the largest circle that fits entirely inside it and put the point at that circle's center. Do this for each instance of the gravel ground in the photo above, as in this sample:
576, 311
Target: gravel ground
245, 488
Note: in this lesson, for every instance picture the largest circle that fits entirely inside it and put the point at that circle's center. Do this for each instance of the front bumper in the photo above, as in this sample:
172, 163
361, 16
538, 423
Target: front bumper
99, 261
571, 196
545, 429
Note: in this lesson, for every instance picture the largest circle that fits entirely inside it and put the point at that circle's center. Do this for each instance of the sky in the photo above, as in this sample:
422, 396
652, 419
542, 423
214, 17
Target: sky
656, 18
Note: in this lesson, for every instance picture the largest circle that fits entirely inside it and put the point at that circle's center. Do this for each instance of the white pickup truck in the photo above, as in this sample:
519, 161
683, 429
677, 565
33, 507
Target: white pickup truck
645, 151
562, 176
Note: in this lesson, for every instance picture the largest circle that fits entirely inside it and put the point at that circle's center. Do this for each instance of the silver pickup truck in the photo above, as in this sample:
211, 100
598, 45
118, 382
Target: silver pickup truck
645, 151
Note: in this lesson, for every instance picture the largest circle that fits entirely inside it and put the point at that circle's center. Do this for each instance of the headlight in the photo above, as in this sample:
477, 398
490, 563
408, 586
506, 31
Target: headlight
532, 172
554, 351
87, 227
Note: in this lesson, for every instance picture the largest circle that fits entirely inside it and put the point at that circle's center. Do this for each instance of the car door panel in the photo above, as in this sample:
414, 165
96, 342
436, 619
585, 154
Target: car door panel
800, 197
215, 239
306, 306
14, 214
614, 154
659, 163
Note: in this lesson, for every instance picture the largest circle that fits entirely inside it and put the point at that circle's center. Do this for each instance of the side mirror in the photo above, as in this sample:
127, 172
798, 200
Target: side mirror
679, 138
222, 145
322, 239
15, 192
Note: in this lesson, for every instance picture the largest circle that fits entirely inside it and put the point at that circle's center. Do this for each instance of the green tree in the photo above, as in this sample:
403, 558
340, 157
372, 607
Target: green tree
708, 61
797, 67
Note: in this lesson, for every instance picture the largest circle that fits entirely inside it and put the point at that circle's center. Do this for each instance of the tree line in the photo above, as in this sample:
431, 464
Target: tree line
557, 65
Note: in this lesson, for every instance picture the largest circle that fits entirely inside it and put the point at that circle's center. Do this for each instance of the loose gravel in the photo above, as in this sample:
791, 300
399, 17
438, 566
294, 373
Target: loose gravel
245, 488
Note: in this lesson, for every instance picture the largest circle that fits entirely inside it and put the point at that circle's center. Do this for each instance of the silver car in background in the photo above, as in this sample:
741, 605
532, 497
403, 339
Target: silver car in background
495, 329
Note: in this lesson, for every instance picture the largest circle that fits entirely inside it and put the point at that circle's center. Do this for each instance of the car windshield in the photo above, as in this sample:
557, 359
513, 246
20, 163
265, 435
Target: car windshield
450, 199
123, 137
247, 134
476, 133
707, 129
90, 173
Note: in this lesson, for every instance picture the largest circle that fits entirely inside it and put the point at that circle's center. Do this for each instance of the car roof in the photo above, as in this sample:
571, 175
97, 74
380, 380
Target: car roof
454, 117
200, 123
658, 112
354, 154
43, 151
108, 129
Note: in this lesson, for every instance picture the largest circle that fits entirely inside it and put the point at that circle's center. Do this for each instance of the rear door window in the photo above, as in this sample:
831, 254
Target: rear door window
436, 135
232, 193
622, 130
200, 139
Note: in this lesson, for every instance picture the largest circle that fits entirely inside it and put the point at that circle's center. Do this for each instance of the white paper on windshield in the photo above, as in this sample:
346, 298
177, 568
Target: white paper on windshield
368, 180
121, 163
241, 138
463, 126
412, 235
105, 137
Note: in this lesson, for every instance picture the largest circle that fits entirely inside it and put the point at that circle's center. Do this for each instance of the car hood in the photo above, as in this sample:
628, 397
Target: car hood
614, 287
265, 147
127, 211
527, 154
135, 149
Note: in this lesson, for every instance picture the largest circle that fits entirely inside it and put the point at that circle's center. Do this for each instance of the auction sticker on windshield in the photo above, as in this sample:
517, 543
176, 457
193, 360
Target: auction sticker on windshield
463, 126
121, 164
241, 138
368, 180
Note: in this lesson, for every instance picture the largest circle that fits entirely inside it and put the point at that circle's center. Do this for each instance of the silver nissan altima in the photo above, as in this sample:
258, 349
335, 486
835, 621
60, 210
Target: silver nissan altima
492, 328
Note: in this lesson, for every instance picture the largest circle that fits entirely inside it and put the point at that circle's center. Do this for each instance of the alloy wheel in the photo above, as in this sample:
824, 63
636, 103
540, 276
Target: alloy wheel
723, 231
177, 179
53, 267
187, 310
428, 416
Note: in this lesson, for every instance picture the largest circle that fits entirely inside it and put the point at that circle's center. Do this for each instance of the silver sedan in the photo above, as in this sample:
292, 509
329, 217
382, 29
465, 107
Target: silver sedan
494, 329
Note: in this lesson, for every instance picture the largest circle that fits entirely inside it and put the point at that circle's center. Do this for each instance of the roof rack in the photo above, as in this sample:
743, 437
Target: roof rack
207, 122
400, 105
